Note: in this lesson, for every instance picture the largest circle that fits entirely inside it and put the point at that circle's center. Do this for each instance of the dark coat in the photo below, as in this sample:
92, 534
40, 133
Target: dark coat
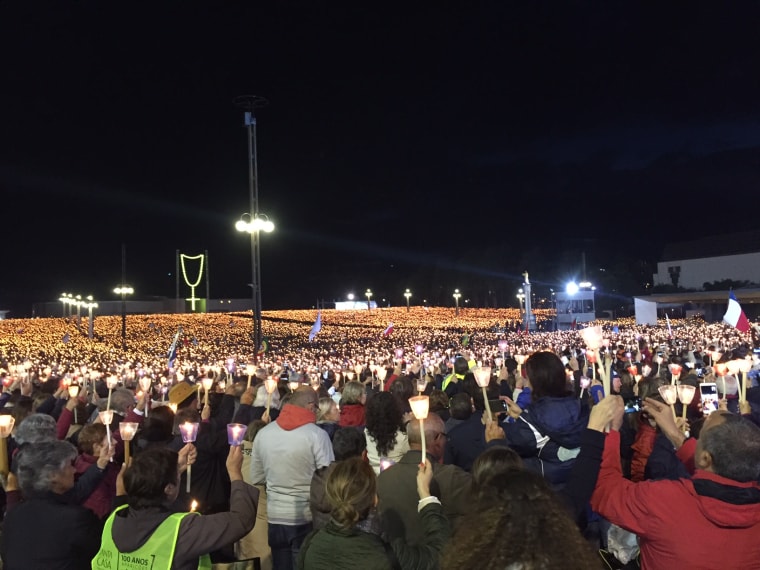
397, 496
548, 434
335, 548
71, 535
465, 442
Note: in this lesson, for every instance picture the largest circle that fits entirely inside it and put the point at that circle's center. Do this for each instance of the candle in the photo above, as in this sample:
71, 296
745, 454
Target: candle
669, 395
207, 383
127, 431
106, 418
381, 374
249, 370
189, 432
745, 365
675, 372
235, 434
111, 382
483, 377
270, 385
73, 393
193, 506
6, 427
420, 406
421, 384
685, 395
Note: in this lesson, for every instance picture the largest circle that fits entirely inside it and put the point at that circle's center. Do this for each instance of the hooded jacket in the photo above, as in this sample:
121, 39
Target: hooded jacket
547, 435
285, 454
198, 535
352, 415
704, 523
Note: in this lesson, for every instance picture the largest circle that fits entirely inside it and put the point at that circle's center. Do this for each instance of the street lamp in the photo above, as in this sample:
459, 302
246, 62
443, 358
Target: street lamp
124, 290
255, 224
521, 297
250, 103
89, 304
457, 295
64, 299
407, 294
368, 293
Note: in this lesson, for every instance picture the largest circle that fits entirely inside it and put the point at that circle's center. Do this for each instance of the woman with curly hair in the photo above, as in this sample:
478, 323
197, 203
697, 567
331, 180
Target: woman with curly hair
518, 504
384, 433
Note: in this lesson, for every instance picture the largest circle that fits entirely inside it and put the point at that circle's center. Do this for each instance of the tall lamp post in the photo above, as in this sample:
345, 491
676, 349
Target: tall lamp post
521, 297
407, 294
124, 290
250, 103
89, 304
457, 295
368, 293
254, 225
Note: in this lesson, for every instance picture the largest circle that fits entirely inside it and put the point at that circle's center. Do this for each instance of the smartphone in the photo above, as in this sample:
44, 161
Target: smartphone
385, 463
709, 397
632, 405
497, 406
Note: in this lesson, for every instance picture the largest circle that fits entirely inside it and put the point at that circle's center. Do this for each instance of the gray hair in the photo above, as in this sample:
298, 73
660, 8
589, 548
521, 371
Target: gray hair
121, 400
352, 393
35, 428
262, 396
37, 465
734, 445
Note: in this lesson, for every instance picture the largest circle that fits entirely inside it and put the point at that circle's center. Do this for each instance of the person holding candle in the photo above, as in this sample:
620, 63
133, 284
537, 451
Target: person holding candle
46, 530
347, 543
547, 433
147, 527
719, 505
285, 454
94, 449
397, 495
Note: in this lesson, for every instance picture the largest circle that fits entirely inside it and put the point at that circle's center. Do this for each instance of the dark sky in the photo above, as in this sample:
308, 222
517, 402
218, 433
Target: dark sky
404, 145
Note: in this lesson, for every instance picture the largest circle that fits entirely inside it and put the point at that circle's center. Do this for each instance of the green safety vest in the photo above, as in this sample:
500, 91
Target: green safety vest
156, 554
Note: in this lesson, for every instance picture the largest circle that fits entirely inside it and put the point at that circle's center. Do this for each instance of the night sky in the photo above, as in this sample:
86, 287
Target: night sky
404, 145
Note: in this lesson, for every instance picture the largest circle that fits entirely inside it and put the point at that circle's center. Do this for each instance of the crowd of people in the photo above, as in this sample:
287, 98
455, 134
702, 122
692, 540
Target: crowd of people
176, 446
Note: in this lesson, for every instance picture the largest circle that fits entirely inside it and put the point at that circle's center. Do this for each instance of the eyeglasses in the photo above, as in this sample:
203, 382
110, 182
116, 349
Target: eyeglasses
439, 434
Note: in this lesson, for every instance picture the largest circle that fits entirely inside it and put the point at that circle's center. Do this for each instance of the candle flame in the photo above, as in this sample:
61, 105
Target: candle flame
193, 506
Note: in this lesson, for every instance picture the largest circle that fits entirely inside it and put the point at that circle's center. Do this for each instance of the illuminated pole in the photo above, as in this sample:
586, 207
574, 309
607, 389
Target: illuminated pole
368, 293
407, 294
124, 290
457, 295
250, 103
89, 305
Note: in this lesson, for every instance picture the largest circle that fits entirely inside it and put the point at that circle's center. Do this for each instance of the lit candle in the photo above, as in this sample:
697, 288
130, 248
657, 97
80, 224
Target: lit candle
249, 370
127, 431
669, 395
6, 427
106, 418
73, 393
111, 382
685, 395
420, 406
207, 383
189, 432
381, 372
483, 377
675, 372
193, 506
745, 365
235, 434
145, 382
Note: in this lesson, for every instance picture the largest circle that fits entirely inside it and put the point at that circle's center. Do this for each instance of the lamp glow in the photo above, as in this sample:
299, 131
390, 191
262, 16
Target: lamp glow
189, 431
235, 434
420, 406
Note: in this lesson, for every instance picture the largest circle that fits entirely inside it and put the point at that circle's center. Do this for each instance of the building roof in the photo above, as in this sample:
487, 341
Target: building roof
742, 295
713, 246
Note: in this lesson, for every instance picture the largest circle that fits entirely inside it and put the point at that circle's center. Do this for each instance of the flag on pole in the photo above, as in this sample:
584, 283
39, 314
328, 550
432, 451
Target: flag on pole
735, 315
172, 355
66, 338
388, 330
317, 326
670, 331
574, 324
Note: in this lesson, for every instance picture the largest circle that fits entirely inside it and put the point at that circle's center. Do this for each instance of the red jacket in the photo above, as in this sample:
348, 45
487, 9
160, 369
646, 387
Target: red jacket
352, 415
684, 523
642, 449
100, 501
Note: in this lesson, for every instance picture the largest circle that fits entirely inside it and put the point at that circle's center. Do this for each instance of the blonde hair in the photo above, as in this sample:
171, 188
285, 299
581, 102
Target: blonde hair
350, 489
325, 405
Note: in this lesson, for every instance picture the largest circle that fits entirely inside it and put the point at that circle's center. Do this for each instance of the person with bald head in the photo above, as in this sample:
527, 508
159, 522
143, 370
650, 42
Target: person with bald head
397, 492
285, 454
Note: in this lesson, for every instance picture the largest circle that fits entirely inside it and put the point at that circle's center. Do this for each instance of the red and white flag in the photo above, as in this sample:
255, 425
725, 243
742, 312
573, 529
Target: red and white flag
389, 330
735, 315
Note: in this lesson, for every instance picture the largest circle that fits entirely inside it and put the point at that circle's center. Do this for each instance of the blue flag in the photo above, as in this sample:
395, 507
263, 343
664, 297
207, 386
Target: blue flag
66, 338
615, 329
173, 348
317, 326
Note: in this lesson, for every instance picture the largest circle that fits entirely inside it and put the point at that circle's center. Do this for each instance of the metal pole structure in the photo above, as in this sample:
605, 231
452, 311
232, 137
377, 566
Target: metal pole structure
123, 297
177, 306
207, 282
250, 103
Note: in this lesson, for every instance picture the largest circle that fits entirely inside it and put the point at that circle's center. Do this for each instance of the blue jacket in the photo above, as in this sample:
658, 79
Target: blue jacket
548, 436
